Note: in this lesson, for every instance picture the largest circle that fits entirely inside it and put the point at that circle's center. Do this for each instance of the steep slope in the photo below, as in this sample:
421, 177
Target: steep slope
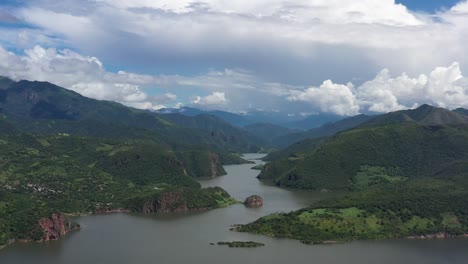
61, 153
313, 121
231, 118
424, 115
461, 111
46, 108
268, 132
222, 133
408, 173
42, 177
392, 147
325, 130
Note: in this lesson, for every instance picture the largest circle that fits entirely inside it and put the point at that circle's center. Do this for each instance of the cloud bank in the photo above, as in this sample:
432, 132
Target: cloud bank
443, 86
297, 41
296, 56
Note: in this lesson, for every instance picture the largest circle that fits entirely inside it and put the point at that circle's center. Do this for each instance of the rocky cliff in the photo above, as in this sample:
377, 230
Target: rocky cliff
166, 203
56, 226
215, 163
181, 200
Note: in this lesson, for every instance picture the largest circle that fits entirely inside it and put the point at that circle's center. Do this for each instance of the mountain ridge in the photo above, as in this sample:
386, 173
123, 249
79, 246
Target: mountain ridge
45, 108
428, 143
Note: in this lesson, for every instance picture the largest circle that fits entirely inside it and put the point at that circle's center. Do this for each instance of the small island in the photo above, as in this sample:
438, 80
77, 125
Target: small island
258, 167
241, 244
253, 201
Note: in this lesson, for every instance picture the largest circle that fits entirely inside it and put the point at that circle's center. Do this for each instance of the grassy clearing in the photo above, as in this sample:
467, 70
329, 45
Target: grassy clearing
373, 175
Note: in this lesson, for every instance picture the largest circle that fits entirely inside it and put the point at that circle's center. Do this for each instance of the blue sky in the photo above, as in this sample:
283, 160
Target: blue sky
430, 6
299, 56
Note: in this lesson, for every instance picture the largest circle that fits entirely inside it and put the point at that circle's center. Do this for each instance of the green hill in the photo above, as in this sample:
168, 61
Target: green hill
424, 115
419, 208
295, 139
408, 144
407, 173
268, 132
41, 175
61, 152
44, 108
461, 111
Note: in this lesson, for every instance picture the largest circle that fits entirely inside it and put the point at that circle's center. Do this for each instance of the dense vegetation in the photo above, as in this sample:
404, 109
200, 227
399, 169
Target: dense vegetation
420, 208
44, 108
63, 153
408, 171
326, 130
412, 149
269, 132
40, 175
182, 199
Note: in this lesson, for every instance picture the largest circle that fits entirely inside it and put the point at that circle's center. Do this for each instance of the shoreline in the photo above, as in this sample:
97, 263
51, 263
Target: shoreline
24, 241
439, 235
433, 236
105, 212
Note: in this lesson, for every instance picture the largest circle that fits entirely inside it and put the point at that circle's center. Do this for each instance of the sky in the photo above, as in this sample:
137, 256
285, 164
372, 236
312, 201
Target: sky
298, 56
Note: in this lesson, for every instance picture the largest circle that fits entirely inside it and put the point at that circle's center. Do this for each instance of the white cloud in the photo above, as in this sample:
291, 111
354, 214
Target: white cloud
461, 7
443, 87
83, 74
330, 11
216, 98
307, 38
329, 97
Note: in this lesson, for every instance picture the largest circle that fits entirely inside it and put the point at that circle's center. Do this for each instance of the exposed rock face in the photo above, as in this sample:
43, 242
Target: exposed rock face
166, 203
55, 227
253, 201
214, 163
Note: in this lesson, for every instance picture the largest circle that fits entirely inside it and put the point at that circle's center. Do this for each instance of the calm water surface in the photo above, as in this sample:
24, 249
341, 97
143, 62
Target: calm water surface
185, 238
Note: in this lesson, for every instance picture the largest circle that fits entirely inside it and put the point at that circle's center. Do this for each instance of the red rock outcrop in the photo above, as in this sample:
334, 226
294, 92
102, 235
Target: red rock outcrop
55, 227
253, 201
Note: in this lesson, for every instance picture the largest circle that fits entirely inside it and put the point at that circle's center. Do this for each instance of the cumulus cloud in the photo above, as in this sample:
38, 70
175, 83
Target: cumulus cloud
235, 89
443, 87
83, 74
216, 98
461, 7
329, 97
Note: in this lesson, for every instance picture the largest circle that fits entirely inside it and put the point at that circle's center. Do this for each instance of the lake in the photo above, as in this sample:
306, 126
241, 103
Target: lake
186, 238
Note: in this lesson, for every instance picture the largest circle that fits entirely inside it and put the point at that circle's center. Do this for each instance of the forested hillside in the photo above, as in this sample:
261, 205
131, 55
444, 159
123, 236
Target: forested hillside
64, 153
406, 174
44, 108
416, 143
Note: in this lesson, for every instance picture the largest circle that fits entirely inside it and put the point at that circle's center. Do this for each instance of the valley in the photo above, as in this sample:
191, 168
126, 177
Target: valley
122, 238
392, 176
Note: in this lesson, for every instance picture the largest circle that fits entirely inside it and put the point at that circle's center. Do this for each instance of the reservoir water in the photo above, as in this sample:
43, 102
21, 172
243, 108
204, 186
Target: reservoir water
186, 238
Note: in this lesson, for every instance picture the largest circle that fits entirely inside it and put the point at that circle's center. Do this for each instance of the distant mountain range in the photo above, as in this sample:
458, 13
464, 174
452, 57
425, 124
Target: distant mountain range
294, 122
